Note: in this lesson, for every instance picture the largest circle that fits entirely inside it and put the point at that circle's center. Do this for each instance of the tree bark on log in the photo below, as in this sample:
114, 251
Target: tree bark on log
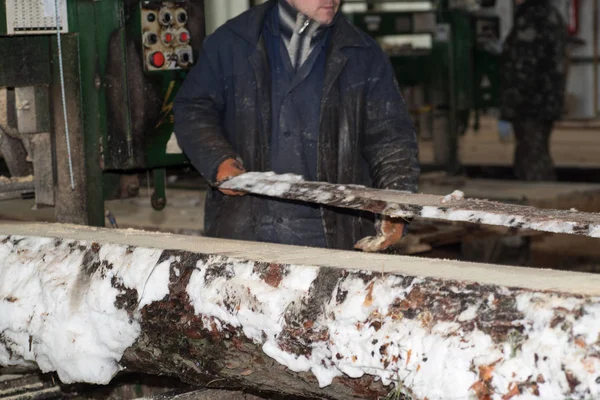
307, 322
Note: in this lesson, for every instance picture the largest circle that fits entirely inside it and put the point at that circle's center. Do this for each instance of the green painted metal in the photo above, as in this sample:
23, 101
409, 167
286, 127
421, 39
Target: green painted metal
94, 21
25, 61
3, 27
453, 69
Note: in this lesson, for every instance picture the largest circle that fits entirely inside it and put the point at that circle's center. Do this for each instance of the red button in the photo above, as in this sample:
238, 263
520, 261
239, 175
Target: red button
158, 59
184, 37
168, 38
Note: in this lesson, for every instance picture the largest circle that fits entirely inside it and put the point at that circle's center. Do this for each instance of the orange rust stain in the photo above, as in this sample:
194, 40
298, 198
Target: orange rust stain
425, 318
308, 324
580, 342
274, 275
418, 367
369, 298
589, 365
486, 371
354, 359
513, 390
408, 355
482, 391
193, 334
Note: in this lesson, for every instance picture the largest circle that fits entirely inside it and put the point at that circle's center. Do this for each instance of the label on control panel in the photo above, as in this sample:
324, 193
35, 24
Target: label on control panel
34, 17
48, 8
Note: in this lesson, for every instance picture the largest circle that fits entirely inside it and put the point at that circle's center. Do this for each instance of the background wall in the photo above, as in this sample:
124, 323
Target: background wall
219, 11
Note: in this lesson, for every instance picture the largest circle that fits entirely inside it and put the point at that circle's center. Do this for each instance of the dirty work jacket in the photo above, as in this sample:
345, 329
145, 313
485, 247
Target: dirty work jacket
295, 108
223, 110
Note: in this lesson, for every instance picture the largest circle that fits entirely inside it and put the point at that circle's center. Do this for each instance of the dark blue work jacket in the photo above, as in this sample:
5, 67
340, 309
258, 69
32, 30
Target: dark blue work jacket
225, 110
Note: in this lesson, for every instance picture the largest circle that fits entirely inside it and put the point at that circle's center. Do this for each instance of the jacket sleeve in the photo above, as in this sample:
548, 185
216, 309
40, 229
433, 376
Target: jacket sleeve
390, 145
199, 108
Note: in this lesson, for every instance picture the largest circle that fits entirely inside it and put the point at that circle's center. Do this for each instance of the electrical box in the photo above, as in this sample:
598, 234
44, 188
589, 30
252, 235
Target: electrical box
34, 17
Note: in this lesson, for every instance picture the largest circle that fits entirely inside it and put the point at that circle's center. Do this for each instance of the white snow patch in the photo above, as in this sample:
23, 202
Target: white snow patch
259, 307
491, 218
157, 285
454, 196
63, 318
266, 183
469, 314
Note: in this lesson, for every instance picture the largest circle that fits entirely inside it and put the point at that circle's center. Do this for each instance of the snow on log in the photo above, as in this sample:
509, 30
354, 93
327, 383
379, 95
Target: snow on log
408, 205
341, 325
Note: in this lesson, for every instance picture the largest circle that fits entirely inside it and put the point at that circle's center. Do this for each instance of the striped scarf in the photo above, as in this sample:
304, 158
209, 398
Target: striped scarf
300, 34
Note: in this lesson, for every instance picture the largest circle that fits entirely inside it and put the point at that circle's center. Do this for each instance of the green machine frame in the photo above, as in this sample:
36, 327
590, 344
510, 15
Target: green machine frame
459, 71
118, 94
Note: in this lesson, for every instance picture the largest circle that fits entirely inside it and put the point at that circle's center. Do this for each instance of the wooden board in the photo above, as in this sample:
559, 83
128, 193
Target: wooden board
408, 205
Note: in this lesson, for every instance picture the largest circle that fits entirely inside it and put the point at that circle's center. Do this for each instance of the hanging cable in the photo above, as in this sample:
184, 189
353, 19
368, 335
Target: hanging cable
62, 88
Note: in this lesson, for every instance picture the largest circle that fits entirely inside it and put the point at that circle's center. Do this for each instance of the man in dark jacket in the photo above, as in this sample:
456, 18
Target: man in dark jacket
291, 86
533, 85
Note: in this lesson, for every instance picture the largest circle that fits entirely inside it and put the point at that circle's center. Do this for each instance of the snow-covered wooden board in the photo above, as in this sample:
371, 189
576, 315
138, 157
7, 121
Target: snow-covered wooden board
341, 325
408, 205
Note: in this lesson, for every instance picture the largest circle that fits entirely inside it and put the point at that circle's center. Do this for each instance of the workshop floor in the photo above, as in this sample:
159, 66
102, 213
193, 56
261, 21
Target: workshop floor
573, 144
184, 213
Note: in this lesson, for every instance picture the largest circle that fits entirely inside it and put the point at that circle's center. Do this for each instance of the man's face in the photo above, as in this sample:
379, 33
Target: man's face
322, 11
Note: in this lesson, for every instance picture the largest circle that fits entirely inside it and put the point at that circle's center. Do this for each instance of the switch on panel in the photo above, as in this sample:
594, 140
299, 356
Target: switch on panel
166, 38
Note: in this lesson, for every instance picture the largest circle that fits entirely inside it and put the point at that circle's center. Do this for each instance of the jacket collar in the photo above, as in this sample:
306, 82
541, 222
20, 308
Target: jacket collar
249, 26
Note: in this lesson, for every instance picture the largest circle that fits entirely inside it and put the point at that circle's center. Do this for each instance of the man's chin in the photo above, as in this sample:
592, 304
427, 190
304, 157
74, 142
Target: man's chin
326, 19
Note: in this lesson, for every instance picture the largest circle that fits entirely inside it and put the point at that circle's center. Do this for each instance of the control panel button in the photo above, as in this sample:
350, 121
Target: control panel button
182, 17
184, 37
166, 18
184, 57
151, 39
157, 59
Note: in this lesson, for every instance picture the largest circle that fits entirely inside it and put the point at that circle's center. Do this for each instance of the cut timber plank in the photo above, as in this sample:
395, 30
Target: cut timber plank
329, 324
409, 205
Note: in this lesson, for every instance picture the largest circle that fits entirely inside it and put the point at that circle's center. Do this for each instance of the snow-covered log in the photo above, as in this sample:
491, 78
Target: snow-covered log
89, 302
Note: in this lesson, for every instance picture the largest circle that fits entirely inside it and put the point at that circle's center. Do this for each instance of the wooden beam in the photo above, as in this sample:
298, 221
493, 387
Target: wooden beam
341, 325
452, 207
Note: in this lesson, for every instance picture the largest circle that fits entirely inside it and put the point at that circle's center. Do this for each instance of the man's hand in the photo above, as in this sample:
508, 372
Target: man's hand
227, 170
391, 231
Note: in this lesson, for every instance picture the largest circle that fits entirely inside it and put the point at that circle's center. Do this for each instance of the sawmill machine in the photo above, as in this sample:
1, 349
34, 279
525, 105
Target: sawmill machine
448, 51
94, 103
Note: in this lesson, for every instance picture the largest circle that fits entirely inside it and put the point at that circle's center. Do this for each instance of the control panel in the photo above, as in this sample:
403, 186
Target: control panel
165, 36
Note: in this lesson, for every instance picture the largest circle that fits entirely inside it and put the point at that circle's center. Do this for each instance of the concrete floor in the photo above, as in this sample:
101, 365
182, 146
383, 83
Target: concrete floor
184, 213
